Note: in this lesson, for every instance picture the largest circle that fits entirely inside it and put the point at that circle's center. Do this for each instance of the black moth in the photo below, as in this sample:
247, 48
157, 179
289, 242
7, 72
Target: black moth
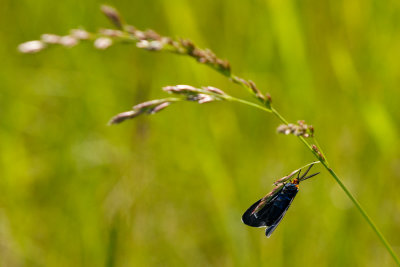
269, 211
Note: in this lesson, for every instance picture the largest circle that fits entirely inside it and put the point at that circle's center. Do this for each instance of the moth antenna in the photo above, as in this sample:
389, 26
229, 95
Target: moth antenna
304, 175
312, 175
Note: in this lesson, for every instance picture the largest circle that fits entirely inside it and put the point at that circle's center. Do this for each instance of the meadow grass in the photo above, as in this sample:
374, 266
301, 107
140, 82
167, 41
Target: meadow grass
143, 219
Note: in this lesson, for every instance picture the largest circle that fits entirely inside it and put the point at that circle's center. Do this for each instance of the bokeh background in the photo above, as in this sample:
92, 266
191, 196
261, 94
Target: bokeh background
170, 189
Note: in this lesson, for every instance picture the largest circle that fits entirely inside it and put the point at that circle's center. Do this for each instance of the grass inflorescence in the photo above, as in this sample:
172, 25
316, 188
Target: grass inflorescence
152, 41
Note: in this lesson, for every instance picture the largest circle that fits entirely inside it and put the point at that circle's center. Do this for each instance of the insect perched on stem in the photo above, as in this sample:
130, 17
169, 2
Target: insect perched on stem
269, 211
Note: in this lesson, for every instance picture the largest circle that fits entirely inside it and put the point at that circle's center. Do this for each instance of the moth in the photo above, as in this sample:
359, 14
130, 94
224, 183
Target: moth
270, 210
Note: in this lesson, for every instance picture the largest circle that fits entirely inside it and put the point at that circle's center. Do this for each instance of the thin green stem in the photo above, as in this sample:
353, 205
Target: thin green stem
320, 149
333, 174
279, 116
254, 105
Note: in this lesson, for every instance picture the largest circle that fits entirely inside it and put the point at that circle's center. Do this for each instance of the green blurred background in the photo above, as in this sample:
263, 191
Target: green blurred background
170, 189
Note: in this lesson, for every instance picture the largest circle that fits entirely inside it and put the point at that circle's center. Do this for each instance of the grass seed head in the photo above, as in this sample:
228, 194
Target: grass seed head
31, 47
68, 41
159, 107
50, 38
102, 43
113, 15
124, 116
299, 129
80, 34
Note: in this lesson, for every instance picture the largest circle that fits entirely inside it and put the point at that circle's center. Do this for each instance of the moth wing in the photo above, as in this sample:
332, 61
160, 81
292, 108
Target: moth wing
251, 219
270, 229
